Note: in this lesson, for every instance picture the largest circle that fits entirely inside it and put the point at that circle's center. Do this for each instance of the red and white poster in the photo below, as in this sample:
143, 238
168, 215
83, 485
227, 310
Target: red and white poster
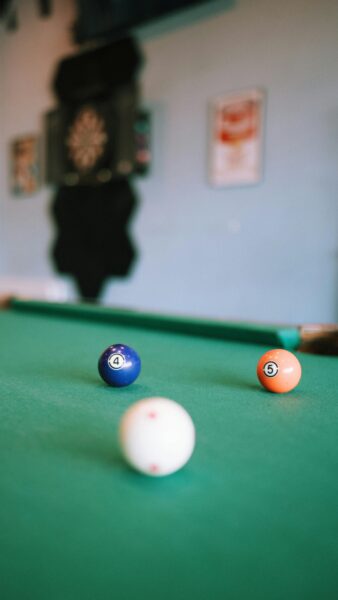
236, 138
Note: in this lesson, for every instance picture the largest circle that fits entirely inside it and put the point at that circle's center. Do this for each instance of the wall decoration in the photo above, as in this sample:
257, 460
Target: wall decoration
142, 129
25, 175
236, 138
91, 154
91, 136
86, 139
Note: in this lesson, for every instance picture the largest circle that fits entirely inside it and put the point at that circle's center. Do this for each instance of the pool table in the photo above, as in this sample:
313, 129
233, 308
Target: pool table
253, 515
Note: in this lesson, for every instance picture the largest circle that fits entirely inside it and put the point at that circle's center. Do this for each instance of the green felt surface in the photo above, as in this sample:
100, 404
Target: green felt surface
253, 515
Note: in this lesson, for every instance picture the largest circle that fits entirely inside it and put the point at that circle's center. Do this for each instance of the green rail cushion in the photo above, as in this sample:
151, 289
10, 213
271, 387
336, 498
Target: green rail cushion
281, 337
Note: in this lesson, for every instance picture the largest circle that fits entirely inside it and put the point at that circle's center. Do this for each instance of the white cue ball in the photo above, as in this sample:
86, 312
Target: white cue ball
157, 436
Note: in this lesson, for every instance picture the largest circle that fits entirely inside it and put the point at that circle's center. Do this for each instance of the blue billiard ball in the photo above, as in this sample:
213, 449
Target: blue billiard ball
119, 365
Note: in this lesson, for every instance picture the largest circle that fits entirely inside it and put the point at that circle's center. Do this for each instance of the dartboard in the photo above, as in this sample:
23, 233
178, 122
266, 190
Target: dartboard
86, 138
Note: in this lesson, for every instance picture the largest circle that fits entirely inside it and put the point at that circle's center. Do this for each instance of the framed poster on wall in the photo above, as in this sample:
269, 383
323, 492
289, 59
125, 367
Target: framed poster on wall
25, 169
236, 136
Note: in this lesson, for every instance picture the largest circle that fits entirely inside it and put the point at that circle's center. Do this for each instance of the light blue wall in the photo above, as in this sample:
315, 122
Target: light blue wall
282, 264
27, 60
264, 252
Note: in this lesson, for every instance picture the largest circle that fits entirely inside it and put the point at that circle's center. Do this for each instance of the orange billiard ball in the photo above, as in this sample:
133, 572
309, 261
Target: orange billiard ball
279, 371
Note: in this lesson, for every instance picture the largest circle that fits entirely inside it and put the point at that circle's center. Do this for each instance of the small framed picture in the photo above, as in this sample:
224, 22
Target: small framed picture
236, 133
25, 170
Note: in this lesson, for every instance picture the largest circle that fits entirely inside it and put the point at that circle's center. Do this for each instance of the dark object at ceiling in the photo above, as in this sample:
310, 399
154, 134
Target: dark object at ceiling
45, 7
4, 7
9, 12
92, 242
108, 18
